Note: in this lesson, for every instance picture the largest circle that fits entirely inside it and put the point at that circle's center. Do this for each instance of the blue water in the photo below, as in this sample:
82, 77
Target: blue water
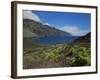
55, 39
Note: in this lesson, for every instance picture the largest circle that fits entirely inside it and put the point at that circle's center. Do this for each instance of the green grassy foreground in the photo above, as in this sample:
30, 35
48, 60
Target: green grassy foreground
57, 55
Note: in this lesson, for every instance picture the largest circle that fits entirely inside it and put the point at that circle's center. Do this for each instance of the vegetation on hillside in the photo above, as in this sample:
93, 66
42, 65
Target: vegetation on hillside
58, 55
39, 30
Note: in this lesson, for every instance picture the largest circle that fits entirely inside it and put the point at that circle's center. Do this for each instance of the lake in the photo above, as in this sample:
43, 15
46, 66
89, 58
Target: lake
54, 39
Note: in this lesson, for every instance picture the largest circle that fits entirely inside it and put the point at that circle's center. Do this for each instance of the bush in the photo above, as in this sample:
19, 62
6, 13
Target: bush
78, 56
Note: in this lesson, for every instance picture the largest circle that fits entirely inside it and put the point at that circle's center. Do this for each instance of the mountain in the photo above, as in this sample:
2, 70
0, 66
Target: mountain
36, 29
84, 40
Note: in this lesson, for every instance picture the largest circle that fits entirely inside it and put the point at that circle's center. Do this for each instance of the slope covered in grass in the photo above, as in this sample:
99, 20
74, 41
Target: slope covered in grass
59, 55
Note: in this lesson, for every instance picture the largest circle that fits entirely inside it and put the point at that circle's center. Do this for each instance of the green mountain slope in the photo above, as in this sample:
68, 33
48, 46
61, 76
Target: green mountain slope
84, 40
28, 33
36, 29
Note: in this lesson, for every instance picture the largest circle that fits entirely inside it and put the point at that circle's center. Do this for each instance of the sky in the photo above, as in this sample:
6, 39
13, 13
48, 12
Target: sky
77, 24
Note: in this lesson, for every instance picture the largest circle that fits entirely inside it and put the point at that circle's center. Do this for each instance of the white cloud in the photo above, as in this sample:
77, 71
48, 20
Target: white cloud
74, 30
29, 15
46, 24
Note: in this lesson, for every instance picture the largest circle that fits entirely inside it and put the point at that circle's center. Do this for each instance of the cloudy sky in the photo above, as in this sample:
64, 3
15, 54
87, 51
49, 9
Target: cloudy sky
75, 23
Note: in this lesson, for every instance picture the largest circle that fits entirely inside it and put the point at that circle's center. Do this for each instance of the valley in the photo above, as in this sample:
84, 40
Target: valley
48, 47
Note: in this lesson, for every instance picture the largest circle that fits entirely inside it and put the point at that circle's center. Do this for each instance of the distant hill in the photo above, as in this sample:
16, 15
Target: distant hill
32, 28
84, 40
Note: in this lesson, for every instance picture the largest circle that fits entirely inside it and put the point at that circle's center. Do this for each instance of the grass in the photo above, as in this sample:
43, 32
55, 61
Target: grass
57, 55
